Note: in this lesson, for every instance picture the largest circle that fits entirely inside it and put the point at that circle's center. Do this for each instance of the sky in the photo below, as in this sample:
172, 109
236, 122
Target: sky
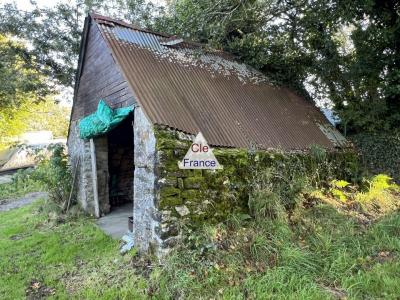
25, 4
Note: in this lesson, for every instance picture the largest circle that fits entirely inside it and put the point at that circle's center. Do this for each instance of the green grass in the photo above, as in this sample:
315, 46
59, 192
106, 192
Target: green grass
310, 259
319, 252
42, 255
22, 183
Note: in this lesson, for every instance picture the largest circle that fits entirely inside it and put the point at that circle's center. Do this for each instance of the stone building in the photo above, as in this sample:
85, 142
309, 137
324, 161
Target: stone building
176, 89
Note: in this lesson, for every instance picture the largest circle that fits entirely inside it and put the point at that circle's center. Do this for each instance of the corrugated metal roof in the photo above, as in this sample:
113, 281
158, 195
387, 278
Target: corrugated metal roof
188, 88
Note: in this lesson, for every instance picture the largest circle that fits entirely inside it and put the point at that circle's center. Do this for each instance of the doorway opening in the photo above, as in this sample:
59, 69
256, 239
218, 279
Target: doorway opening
121, 165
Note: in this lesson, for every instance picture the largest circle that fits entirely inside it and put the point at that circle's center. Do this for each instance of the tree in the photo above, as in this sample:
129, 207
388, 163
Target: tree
54, 33
344, 51
347, 52
19, 80
45, 115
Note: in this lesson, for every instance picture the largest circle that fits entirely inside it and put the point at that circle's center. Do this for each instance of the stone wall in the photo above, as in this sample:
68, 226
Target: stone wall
101, 150
193, 197
145, 214
79, 156
167, 198
79, 150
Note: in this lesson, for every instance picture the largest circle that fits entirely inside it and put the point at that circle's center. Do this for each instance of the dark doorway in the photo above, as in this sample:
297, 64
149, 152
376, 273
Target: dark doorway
121, 164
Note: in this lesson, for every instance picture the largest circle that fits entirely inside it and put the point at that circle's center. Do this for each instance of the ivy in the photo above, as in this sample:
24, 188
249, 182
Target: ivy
380, 152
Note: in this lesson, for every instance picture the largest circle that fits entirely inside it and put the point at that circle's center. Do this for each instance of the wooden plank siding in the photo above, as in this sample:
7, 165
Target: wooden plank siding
100, 78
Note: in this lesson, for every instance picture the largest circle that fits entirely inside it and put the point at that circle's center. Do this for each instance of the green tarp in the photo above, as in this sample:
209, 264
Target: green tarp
102, 121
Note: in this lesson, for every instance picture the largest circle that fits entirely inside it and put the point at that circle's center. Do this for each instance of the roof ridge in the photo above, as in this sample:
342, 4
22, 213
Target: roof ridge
97, 16
205, 47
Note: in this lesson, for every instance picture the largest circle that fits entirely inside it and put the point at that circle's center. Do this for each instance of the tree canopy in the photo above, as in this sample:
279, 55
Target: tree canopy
344, 53
18, 78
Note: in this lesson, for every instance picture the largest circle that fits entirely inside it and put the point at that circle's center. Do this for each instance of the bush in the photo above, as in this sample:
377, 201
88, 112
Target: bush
380, 152
56, 176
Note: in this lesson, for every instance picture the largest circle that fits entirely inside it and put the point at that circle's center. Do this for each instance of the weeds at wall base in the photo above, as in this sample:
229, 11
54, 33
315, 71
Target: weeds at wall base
318, 250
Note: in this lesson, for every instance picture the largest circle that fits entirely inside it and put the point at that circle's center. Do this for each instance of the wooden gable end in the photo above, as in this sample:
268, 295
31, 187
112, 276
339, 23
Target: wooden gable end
99, 78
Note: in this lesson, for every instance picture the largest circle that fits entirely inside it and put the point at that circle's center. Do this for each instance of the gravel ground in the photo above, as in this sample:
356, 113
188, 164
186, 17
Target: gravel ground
5, 178
8, 204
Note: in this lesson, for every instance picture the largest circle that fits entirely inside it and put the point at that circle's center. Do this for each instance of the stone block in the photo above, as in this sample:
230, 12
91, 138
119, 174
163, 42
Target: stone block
169, 191
167, 230
171, 201
193, 182
168, 181
167, 217
179, 153
164, 155
190, 195
171, 166
180, 183
177, 173
182, 210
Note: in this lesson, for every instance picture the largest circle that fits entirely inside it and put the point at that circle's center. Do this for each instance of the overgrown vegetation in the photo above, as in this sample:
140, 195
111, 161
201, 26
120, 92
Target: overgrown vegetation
315, 229
55, 175
380, 152
320, 248
52, 175
23, 182
289, 176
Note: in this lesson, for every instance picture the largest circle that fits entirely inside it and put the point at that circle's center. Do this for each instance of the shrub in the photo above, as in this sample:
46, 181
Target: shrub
380, 152
55, 174
265, 204
281, 186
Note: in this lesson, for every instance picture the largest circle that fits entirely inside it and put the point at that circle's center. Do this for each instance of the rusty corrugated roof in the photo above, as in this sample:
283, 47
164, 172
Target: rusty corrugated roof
190, 89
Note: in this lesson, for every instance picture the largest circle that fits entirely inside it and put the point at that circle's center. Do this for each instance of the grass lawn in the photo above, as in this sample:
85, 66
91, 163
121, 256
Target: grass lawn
319, 252
41, 256
21, 184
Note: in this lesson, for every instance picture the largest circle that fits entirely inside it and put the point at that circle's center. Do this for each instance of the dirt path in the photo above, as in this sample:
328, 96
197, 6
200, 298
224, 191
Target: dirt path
6, 205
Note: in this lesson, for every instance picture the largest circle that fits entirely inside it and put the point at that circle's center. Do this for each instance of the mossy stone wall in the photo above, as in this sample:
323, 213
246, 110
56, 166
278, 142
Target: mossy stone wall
196, 196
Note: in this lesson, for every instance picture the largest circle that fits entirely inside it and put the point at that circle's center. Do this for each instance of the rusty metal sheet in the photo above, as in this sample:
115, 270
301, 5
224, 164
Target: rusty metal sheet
193, 90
